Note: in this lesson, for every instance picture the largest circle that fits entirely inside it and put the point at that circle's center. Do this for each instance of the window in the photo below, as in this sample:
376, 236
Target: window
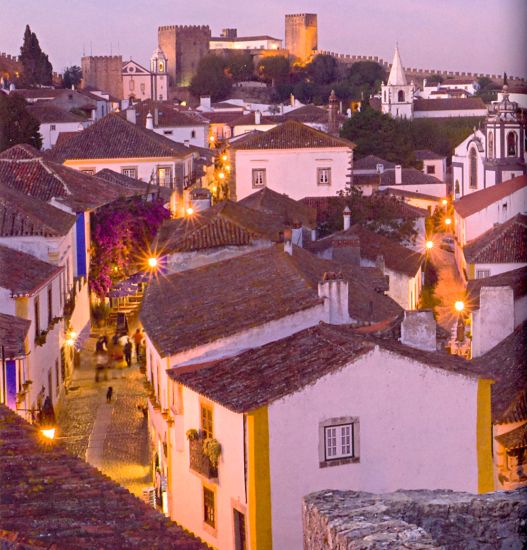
482, 273
57, 376
142, 87
400, 96
167, 132
258, 177
324, 176
192, 134
430, 169
240, 536
473, 169
338, 441
209, 512
52, 127
164, 175
36, 305
130, 172
511, 144
131, 85
490, 148
50, 304
206, 421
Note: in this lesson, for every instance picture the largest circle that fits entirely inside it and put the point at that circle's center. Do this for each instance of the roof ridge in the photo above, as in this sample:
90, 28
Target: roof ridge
54, 174
500, 231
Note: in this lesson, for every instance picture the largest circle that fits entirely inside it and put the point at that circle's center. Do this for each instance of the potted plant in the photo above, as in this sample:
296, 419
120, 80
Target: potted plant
212, 450
192, 434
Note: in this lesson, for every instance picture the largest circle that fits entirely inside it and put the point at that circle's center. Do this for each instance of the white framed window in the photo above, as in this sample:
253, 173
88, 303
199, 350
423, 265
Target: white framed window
258, 177
324, 176
167, 132
430, 169
338, 441
53, 127
130, 172
482, 273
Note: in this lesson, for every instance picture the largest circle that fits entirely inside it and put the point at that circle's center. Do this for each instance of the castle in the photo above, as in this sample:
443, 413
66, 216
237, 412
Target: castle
301, 35
103, 72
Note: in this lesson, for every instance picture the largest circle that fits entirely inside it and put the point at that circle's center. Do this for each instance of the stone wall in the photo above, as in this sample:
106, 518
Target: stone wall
415, 520
103, 72
301, 34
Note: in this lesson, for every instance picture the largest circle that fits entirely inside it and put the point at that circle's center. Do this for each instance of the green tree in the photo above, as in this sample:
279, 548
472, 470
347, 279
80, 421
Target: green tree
367, 73
274, 69
323, 69
36, 68
72, 76
211, 78
16, 124
434, 80
239, 65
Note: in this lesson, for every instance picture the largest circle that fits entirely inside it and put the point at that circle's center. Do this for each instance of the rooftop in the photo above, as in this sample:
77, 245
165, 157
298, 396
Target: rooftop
13, 332
261, 375
22, 273
450, 104
53, 499
287, 209
409, 176
115, 137
474, 202
504, 243
308, 114
47, 112
222, 299
292, 135
370, 162
225, 224
169, 114
134, 184
410, 194
426, 154
516, 279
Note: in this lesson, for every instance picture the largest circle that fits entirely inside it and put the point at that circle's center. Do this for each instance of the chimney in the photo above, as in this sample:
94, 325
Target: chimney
204, 102
281, 108
424, 83
398, 174
257, 117
156, 117
149, 125
313, 234
131, 115
348, 113
347, 218
333, 126
346, 249
288, 242
186, 143
292, 100
418, 330
380, 263
333, 289
296, 234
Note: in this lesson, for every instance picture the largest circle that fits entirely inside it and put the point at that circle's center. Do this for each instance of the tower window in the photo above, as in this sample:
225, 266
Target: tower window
400, 96
473, 168
490, 148
511, 144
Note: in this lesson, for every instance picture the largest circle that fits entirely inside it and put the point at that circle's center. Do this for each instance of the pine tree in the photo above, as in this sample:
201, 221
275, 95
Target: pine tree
36, 68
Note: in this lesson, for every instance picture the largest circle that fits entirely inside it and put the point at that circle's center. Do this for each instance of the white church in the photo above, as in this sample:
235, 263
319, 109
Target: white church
140, 83
492, 154
397, 96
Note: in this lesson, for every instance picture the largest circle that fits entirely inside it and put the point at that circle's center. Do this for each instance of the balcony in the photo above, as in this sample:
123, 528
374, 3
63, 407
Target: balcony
199, 462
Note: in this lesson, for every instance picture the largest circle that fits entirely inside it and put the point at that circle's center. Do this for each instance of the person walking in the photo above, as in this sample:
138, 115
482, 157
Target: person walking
138, 339
109, 394
128, 352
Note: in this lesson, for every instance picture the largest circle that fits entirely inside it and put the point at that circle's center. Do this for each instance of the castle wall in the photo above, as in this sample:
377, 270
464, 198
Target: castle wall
301, 34
103, 72
184, 46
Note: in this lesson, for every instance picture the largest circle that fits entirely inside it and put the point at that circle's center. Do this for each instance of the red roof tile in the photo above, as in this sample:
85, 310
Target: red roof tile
169, 114
515, 439
450, 104
13, 332
370, 162
47, 112
20, 152
474, 202
505, 243
57, 499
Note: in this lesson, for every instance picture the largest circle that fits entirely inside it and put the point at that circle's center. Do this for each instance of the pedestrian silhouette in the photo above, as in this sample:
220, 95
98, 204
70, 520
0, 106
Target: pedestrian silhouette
109, 394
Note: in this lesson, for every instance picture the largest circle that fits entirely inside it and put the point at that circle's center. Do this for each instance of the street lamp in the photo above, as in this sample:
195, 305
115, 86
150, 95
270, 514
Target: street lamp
224, 158
444, 202
152, 262
47, 422
429, 245
459, 306
190, 211
448, 221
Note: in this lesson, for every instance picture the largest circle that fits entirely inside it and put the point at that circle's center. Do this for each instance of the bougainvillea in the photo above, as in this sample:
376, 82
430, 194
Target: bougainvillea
122, 234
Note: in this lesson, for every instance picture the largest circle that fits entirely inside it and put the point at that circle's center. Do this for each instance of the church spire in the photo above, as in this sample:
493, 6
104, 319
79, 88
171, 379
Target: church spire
397, 76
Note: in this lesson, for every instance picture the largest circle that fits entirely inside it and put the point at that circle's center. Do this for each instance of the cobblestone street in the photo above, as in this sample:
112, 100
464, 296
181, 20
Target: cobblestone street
111, 436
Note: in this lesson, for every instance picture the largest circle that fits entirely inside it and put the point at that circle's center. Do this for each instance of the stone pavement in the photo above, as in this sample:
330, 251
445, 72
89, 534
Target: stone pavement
112, 437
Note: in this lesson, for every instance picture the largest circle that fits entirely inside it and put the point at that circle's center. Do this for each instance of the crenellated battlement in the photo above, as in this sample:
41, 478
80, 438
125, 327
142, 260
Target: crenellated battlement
201, 28
102, 57
8, 57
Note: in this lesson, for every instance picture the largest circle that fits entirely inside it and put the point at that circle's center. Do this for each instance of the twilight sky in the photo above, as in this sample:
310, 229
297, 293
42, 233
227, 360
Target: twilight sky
471, 35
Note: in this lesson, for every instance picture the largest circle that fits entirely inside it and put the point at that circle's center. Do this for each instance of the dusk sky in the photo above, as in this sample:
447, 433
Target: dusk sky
470, 35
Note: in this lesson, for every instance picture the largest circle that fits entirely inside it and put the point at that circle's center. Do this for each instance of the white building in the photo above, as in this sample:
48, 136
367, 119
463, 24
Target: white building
397, 96
140, 83
470, 85
291, 158
231, 41
413, 180
433, 163
493, 154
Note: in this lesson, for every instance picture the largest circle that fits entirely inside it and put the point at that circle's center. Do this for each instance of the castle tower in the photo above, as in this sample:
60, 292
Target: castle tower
159, 75
397, 96
184, 46
103, 72
504, 141
301, 35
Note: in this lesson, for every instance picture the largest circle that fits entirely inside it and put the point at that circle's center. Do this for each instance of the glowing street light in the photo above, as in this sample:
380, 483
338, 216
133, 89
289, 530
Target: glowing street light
444, 202
224, 158
429, 245
47, 422
212, 139
48, 433
190, 211
459, 306
221, 175
152, 262
214, 189
448, 221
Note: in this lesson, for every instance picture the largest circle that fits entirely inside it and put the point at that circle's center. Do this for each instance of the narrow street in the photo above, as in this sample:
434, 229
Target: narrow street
113, 437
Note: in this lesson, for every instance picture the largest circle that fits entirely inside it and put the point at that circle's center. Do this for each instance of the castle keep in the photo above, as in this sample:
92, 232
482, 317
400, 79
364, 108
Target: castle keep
184, 46
301, 34
103, 72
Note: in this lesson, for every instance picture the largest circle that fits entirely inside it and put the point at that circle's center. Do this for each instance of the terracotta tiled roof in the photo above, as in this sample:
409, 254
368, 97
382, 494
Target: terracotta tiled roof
23, 215
225, 224
279, 204
397, 257
309, 114
221, 117
224, 298
506, 363
293, 135
474, 202
516, 279
409, 176
20, 152
515, 439
249, 119
370, 163
63, 137
426, 154
47, 112
169, 114
53, 497
259, 376
505, 243
13, 332
410, 194
131, 183
22, 273
227, 105
450, 104
457, 81
115, 137
47, 180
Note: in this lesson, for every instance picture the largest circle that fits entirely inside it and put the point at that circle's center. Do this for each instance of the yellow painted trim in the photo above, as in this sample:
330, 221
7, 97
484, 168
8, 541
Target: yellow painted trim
259, 480
484, 438
471, 271
90, 162
22, 307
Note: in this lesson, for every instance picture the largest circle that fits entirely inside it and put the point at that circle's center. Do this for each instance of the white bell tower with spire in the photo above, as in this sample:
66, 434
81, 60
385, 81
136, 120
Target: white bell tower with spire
397, 96
158, 70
